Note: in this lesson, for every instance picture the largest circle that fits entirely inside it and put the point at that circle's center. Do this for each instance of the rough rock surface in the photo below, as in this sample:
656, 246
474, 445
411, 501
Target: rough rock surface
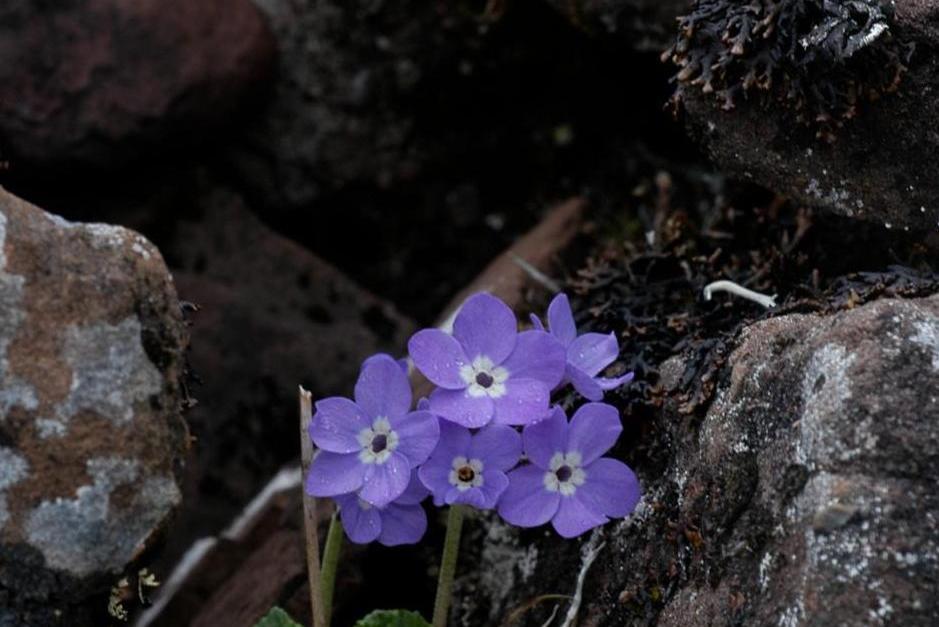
272, 316
644, 24
91, 437
806, 495
93, 82
342, 112
881, 165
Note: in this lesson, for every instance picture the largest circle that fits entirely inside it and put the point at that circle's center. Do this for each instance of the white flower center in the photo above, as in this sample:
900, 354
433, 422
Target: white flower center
466, 473
484, 378
378, 442
565, 473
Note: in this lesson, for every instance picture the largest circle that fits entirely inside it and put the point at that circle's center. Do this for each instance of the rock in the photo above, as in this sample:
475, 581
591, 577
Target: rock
804, 496
95, 82
880, 166
341, 112
645, 25
272, 316
91, 436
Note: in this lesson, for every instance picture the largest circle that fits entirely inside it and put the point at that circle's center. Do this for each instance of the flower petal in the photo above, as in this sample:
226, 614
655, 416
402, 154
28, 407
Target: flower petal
454, 441
402, 524
414, 493
494, 484
333, 473
457, 406
526, 502
383, 388
611, 488
473, 497
585, 385
561, 319
439, 357
498, 446
537, 355
545, 438
525, 401
402, 362
612, 384
592, 352
435, 475
362, 525
574, 518
536, 322
486, 326
385, 482
593, 430
336, 425
418, 433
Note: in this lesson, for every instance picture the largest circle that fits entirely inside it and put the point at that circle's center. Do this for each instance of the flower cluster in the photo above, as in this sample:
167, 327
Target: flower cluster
379, 459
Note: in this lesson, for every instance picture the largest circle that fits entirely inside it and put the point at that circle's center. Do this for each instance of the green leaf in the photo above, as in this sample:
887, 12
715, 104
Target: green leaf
277, 617
393, 618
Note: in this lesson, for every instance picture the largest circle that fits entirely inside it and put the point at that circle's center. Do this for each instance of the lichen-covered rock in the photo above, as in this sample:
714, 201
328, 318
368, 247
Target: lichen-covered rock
867, 87
94, 82
806, 495
642, 24
91, 436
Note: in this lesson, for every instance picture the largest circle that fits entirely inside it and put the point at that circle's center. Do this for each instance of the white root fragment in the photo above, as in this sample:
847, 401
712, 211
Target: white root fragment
589, 553
550, 620
729, 286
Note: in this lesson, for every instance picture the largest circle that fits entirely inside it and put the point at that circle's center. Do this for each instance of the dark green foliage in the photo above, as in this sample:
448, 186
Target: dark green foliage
393, 618
277, 617
820, 58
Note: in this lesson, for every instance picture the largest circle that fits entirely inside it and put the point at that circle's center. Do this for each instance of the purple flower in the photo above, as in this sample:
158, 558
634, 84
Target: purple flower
587, 354
402, 521
568, 482
470, 468
371, 445
487, 370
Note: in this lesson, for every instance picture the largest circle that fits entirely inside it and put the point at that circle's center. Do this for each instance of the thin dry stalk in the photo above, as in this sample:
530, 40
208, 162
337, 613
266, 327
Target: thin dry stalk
310, 526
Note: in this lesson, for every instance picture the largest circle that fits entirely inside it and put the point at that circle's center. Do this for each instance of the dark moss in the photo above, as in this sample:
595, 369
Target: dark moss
821, 59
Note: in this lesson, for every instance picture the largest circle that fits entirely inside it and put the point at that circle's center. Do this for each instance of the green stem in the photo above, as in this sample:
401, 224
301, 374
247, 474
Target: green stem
330, 562
451, 549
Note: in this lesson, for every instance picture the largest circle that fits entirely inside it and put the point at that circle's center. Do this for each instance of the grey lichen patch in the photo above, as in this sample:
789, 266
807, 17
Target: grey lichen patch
826, 388
49, 428
13, 391
104, 236
107, 236
927, 336
88, 534
13, 469
110, 371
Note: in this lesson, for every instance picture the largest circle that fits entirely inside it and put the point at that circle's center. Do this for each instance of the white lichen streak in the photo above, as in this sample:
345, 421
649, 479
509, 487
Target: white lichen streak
927, 336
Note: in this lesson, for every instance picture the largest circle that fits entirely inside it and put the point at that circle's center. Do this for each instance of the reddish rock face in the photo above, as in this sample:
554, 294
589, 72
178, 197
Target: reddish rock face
272, 316
93, 82
804, 495
91, 436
